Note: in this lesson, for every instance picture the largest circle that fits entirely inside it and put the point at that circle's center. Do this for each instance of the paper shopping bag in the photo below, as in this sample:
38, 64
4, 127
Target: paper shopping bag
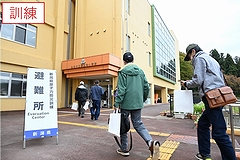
86, 105
75, 106
114, 124
183, 101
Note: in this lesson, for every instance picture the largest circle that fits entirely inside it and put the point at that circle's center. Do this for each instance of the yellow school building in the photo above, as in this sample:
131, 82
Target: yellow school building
84, 41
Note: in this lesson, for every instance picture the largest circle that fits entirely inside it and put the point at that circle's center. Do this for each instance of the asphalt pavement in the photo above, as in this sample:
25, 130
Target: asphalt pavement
86, 139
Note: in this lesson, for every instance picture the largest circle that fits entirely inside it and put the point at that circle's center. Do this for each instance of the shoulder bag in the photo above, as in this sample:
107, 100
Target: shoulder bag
219, 97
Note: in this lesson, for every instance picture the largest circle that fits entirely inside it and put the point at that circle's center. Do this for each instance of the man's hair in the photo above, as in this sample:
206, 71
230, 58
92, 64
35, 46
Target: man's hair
128, 57
96, 81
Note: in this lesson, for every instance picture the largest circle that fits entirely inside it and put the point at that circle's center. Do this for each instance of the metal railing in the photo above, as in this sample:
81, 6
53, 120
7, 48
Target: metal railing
232, 117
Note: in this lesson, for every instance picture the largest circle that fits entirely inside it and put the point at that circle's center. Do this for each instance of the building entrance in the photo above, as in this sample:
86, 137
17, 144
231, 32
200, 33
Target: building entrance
107, 96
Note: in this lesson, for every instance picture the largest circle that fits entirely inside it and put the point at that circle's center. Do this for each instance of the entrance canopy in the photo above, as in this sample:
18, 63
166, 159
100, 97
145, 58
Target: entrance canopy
104, 65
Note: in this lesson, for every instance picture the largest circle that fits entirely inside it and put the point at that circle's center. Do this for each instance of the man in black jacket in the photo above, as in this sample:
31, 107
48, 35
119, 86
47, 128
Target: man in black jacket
81, 95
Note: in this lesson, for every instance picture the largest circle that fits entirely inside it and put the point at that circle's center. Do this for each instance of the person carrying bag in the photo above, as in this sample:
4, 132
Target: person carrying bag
133, 90
208, 76
81, 95
119, 124
219, 97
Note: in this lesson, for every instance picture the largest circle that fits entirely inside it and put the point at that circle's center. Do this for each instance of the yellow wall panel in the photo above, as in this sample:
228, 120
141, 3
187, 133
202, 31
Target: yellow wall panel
13, 105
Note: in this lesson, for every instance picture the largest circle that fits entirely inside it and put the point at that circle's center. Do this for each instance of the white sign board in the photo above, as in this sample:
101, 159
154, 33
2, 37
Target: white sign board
183, 101
41, 104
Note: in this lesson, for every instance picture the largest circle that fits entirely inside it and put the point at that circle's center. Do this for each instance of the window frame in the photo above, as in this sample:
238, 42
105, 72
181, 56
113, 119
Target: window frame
149, 29
128, 6
128, 43
10, 78
149, 59
28, 28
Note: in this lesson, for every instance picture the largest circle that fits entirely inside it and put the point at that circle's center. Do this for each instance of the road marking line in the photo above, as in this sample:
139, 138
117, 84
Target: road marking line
83, 125
62, 115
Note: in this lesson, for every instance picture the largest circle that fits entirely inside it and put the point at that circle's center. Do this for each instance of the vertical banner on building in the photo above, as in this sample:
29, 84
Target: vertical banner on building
41, 104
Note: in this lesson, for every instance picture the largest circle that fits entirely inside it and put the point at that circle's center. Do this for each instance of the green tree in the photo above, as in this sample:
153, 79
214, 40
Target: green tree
214, 53
234, 83
218, 57
230, 67
237, 62
186, 69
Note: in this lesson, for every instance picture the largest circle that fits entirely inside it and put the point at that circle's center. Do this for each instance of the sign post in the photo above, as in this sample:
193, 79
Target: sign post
41, 105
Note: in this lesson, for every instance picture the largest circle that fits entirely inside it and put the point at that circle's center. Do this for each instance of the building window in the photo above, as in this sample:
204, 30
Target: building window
13, 84
164, 50
128, 40
149, 59
149, 29
22, 33
128, 6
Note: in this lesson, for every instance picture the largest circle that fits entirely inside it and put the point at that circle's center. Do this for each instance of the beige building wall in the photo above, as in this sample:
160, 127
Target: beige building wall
97, 28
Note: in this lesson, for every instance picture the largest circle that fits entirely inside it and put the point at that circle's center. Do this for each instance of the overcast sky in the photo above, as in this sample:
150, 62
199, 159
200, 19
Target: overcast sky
209, 23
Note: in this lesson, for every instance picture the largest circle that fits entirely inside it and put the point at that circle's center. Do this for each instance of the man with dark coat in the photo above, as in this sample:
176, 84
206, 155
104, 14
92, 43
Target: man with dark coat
81, 96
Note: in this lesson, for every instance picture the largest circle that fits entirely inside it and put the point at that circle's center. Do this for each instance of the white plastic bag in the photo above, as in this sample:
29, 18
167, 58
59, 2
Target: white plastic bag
75, 106
86, 105
183, 101
90, 103
114, 123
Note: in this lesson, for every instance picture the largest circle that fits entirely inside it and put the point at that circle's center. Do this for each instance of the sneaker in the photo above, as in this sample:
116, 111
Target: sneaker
154, 150
123, 153
200, 157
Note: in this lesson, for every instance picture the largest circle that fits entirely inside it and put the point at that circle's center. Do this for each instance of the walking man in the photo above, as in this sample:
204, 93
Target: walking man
133, 90
208, 76
81, 96
96, 93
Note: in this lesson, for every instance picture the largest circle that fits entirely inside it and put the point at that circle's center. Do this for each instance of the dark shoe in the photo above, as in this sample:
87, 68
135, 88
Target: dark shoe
155, 150
200, 157
91, 117
123, 153
82, 116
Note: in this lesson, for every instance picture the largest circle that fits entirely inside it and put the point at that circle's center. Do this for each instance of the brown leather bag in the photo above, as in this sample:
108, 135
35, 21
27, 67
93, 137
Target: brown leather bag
220, 97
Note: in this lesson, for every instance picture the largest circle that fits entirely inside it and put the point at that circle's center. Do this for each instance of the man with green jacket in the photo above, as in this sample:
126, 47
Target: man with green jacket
133, 90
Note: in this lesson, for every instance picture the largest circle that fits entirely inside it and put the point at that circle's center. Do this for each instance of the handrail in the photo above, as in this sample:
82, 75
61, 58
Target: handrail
231, 121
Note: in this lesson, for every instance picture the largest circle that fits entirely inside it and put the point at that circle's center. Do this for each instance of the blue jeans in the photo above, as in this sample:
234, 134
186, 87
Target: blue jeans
138, 126
215, 118
95, 109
